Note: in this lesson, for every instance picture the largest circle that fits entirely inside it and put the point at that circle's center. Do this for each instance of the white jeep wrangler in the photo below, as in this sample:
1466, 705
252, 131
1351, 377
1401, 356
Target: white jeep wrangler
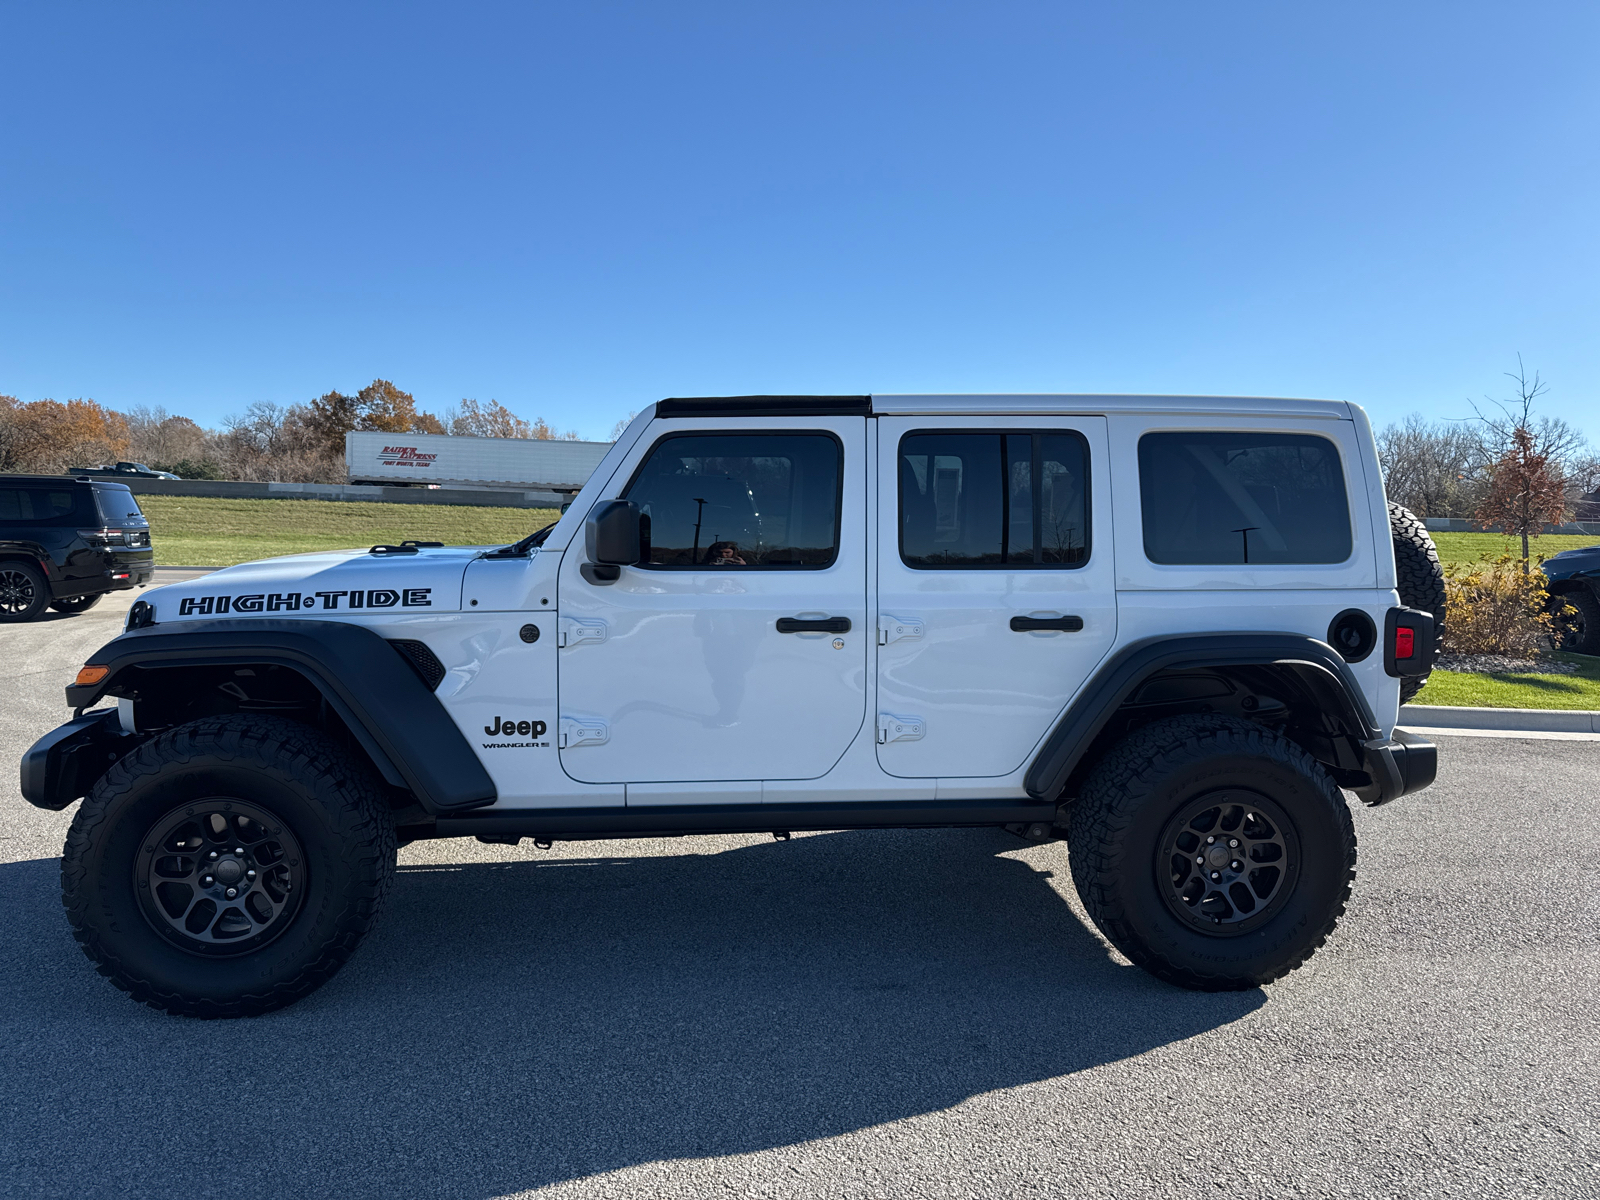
1166, 629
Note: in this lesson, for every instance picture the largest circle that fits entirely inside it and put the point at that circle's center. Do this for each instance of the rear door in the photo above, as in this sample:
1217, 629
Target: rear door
738, 651
996, 596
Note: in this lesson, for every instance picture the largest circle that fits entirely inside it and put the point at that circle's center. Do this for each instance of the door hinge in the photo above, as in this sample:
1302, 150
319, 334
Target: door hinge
898, 729
892, 629
572, 632
583, 731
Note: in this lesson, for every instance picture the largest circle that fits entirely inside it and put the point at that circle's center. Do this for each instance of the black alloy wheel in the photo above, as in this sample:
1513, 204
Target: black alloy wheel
220, 877
229, 866
23, 592
1214, 852
1230, 860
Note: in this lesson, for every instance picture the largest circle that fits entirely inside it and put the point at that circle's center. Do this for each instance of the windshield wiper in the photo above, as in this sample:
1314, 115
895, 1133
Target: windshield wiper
520, 549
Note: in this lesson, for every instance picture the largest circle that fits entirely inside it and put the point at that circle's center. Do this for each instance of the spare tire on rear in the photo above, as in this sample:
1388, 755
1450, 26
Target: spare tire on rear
1420, 581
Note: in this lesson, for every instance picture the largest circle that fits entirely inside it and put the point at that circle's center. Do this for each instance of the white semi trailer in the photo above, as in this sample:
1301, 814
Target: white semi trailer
435, 460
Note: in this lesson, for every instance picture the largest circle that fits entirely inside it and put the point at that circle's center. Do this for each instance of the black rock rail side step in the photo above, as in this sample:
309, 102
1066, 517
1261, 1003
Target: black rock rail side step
577, 824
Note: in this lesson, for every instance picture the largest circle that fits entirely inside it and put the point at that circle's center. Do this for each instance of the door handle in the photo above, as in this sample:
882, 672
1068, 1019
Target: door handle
1058, 624
820, 625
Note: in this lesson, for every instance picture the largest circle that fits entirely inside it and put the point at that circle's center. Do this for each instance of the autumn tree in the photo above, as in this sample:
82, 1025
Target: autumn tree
161, 440
330, 416
475, 419
546, 433
1525, 475
49, 437
379, 406
10, 435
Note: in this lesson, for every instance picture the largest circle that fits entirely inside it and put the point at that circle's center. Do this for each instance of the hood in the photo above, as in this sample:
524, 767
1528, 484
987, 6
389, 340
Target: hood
1583, 561
319, 585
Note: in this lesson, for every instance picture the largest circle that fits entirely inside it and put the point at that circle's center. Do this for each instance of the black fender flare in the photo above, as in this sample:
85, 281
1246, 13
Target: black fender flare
1317, 663
400, 723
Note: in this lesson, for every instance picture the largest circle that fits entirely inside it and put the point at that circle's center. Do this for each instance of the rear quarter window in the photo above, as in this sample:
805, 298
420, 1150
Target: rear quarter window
118, 507
40, 506
1217, 498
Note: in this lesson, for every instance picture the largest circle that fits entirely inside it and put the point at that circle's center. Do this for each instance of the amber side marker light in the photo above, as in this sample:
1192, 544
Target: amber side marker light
90, 675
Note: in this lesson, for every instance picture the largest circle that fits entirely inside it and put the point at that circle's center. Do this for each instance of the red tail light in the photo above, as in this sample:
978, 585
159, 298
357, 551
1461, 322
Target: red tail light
1404, 642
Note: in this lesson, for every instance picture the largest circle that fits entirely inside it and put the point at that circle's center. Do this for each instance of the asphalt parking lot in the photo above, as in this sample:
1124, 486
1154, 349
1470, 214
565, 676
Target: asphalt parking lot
857, 1014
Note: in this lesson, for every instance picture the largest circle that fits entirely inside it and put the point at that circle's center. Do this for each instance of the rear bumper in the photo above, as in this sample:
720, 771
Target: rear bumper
1407, 763
120, 572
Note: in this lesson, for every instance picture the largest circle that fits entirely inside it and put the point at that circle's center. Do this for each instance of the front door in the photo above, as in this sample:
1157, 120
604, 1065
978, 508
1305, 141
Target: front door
738, 651
996, 593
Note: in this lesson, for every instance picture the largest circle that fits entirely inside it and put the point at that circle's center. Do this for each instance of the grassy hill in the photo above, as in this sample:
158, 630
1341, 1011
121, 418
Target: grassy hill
193, 531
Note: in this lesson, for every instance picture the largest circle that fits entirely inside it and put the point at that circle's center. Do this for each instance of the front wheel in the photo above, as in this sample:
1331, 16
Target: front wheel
229, 866
1214, 853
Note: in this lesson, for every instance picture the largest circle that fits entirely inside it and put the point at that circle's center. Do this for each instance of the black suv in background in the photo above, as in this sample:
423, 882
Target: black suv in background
66, 542
1573, 576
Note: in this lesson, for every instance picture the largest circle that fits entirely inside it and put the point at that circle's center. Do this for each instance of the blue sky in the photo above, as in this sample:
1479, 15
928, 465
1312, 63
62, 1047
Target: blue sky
577, 209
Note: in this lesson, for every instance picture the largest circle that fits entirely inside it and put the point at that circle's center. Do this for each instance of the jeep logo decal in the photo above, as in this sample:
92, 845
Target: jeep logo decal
506, 727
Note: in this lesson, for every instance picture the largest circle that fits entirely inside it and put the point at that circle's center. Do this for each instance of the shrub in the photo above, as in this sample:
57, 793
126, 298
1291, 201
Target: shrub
1495, 607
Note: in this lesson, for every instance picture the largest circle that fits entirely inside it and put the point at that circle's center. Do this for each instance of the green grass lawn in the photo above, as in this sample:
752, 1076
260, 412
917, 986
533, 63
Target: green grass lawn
196, 531
1460, 688
1469, 547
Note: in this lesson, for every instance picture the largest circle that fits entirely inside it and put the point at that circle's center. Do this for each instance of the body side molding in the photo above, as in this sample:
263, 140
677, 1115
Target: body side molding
412, 739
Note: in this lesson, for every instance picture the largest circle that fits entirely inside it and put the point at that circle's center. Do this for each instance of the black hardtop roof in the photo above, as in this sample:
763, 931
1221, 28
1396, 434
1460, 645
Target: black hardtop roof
768, 406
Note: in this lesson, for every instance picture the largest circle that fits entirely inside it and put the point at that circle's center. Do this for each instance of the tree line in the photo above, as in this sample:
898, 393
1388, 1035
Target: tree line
295, 443
1506, 465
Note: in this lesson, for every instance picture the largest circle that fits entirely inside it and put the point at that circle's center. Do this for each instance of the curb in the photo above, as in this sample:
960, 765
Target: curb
1520, 720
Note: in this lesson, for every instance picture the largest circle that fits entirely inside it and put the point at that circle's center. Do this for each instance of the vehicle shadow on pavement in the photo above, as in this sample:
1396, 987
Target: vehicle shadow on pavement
518, 1024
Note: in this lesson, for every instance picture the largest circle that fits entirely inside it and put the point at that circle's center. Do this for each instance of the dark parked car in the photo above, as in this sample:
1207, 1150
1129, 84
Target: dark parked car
65, 542
138, 470
1574, 576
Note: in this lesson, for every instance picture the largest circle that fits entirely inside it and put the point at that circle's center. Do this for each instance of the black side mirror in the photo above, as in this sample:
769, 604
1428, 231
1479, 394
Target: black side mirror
617, 535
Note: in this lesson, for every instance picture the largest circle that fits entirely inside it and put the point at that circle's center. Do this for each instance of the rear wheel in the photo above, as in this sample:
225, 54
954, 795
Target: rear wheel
77, 604
1214, 853
23, 592
229, 866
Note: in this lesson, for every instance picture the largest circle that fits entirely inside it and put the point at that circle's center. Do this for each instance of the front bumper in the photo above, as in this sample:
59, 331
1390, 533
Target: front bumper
1406, 763
66, 762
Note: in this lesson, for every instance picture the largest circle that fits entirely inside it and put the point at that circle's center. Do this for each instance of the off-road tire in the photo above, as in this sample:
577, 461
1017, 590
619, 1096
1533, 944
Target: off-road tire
1420, 582
1579, 629
24, 593
325, 797
1150, 777
77, 604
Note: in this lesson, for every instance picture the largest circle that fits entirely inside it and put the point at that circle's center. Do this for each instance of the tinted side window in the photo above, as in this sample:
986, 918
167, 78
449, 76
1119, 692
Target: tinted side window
731, 501
1218, 498
994, 499
39, 506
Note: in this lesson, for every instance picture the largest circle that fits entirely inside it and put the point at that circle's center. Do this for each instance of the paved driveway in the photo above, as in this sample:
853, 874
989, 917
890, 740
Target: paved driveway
856, 1014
